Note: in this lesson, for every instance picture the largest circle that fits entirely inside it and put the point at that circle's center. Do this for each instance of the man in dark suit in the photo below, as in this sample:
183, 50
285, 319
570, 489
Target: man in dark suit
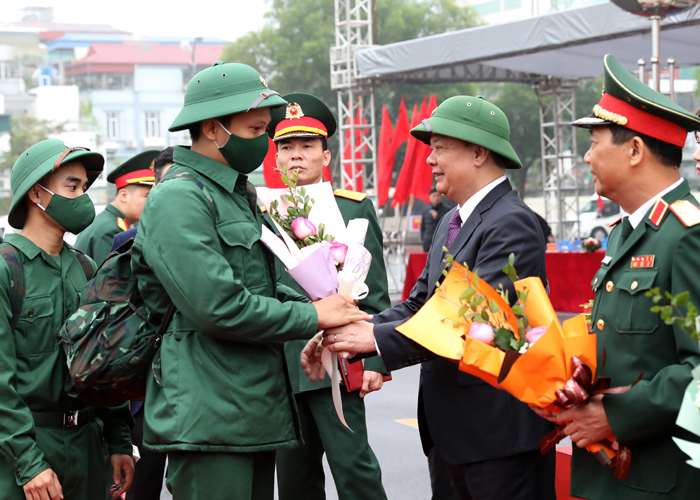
430, 218
487, 437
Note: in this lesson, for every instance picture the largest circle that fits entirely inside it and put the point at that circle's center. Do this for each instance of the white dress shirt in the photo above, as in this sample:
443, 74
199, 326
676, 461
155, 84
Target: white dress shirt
638, 215
466, 210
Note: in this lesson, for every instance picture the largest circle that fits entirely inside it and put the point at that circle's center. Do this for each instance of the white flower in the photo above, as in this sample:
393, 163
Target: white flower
524, 348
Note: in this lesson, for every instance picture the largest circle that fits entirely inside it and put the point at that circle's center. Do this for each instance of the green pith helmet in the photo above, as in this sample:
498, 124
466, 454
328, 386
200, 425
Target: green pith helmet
135, 170
40, 160
222, 90
305, 116
630, 103
471, 119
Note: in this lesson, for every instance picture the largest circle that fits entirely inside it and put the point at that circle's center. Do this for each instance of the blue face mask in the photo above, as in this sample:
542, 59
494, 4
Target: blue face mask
244, 155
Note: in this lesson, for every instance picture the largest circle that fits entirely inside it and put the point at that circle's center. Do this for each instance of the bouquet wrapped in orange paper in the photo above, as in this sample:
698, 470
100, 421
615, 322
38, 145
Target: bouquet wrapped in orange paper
522, 349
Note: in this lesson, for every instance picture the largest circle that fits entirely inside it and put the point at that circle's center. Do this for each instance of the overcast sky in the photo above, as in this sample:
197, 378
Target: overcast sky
226, 19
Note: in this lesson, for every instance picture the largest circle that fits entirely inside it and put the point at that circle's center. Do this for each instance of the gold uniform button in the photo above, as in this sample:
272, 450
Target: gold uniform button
600, 324
595, 281
609, 286
634, 285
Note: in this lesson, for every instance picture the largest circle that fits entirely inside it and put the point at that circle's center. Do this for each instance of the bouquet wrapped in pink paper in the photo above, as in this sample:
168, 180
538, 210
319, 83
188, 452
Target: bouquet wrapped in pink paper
321, 253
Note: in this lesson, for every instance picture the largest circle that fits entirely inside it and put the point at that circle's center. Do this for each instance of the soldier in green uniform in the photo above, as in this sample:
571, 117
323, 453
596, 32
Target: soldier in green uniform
637, 137
134, 179
300, 131
51, 442
221, 404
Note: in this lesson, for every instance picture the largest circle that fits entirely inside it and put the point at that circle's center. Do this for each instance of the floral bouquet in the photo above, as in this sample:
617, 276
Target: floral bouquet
590, 245
522, 349
321, 253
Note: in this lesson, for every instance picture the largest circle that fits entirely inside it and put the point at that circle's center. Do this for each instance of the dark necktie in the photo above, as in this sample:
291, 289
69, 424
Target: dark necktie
453, 228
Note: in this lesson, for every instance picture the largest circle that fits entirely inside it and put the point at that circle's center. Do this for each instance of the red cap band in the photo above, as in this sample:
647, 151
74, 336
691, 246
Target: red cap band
640, 121
136, 177
305, 124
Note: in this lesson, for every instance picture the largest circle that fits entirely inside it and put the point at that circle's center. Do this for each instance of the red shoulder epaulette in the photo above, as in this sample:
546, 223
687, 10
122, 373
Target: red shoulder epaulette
687, 212
657, 213
122, 224
613, 224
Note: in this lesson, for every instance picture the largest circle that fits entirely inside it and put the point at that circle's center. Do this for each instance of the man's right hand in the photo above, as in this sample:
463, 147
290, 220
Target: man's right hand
44, 486
336, 310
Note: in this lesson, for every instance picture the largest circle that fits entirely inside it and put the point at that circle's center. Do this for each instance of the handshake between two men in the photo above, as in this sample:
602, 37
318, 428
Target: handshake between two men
344, 329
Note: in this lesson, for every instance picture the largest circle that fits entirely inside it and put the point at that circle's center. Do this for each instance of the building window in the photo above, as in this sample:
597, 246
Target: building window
490, 7
512, 4
112, 124
152, 124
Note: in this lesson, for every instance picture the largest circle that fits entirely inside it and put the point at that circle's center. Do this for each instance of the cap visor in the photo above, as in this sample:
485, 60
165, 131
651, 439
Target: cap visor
589, 121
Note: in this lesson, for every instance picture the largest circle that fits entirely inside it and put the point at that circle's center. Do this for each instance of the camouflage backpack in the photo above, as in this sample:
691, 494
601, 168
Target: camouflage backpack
112, 339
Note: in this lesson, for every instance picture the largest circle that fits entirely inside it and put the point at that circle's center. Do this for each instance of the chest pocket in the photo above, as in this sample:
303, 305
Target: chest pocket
35, 332
632, 313
249, 264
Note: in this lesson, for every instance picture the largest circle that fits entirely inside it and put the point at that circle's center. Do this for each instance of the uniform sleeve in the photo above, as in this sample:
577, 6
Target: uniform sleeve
650, 407
378, 298
182, 248
117, 428
17, 434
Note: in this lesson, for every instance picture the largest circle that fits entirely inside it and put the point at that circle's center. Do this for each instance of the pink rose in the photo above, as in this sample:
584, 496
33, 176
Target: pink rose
533, 335
481, 332
303, 228
339, 251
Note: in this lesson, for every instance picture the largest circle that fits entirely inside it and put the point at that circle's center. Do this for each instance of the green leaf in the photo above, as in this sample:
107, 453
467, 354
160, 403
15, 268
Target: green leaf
517, 310
485, 314
467, 294
493, 306
502, 338
477, 300
682, 299
511, 260
462, 311
285, 179
655, 309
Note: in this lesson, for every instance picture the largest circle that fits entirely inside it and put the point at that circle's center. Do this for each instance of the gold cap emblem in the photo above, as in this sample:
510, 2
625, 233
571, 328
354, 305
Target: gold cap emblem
293, 111
263, 81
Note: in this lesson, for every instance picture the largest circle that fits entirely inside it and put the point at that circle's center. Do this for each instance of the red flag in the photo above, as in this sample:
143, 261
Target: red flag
384, 168
403, 184
272, 178
400, 136
422, 176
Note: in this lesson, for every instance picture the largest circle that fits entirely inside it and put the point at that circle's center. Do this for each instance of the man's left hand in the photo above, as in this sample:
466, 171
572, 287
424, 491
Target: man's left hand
123, 466
588, 422
371, 381
353, 338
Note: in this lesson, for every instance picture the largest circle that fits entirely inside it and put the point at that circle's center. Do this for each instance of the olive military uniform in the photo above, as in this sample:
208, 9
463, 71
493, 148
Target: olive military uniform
96, 240
637, 341
354, 466
32, 373
662, 252
224, 382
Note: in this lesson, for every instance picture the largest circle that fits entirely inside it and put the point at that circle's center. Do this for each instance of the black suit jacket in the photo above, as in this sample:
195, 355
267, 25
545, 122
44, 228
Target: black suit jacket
467, 419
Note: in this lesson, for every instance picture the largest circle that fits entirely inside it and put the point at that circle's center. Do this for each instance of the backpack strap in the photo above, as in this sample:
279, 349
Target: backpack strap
184, 174
18, 287
84, 262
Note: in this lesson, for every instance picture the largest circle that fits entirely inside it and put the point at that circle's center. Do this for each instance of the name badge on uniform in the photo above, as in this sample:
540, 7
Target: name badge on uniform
607, 259
642, 261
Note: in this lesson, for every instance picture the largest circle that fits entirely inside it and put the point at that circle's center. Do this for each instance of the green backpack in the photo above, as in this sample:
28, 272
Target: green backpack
111, 341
